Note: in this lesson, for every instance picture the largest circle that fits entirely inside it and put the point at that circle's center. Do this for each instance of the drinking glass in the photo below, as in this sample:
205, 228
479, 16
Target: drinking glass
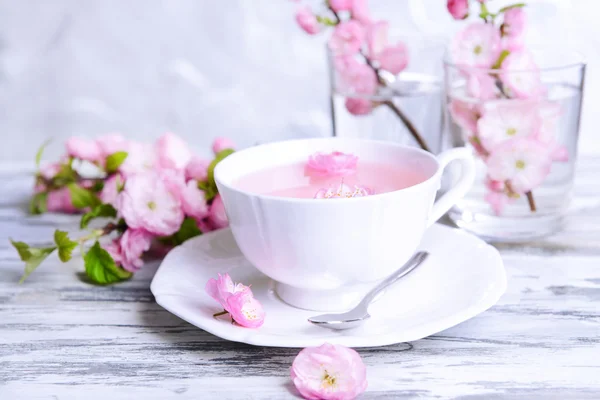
522, 125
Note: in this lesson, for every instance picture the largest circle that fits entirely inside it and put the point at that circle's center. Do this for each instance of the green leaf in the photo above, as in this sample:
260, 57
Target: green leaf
100, 211
101, 268
81, 197
211, 167
66, 174
326, 21
32, 256
40, 152
64, 244
37, 204
503, 55
210, 191
97, 186
189, 229
114, 161
505, 9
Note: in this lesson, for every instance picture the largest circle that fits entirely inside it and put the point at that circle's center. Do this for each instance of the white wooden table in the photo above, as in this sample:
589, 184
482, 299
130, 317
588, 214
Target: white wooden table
61, 338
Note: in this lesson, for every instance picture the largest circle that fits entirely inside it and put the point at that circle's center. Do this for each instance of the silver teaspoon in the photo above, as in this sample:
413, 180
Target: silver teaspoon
356, 316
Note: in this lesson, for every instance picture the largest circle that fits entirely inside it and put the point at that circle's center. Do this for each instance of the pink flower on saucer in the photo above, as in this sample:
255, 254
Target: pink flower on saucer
245, 309
503, 120
478, 45
521, 76
328, 372
221, 288
524, 162
333, 164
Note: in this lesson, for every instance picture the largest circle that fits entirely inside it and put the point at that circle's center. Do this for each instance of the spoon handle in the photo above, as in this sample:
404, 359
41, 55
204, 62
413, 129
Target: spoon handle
410, 265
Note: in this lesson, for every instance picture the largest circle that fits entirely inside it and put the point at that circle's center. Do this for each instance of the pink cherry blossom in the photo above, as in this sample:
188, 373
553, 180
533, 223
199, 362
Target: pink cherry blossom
394, 58
360, 11
522, 161
478, 45
221, 144
60, 201
514, 22
347, 38
245, 309
221, 288
358, 106
377, 38
49, 171
331, 164
307, 20
133, 243
83, 149
113, 143
340, 5
459, 9
112, 187
354, 76
172, 152
329, 371
481, 85
465, 115
193, 201
497, 201
197, 169
217, 215
513, 44
114, 250
174, 180
494, 186
141, 157
147, 203
550, 113
503, 120
521, 76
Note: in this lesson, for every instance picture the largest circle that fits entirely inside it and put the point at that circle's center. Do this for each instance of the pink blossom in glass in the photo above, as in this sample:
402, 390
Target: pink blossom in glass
504, 120
347, 38
478, 45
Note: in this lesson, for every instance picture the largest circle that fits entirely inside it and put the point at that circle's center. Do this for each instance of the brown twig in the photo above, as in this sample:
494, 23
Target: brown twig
531, 201
407, 122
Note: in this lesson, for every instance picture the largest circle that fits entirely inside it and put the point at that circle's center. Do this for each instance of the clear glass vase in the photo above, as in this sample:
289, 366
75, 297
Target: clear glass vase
408, 108
523, 126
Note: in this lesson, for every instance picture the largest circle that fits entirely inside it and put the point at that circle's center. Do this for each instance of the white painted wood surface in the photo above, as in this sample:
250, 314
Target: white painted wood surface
61, 338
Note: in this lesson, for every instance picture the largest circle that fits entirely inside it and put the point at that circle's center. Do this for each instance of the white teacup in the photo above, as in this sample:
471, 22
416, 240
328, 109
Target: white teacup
326, 254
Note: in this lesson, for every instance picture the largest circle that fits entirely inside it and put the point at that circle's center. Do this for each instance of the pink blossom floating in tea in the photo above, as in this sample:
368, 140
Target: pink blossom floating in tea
333, 164
237, 300
329, 372
344, 191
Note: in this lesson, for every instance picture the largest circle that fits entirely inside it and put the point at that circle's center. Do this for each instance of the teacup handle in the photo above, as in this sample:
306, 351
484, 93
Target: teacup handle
460, 189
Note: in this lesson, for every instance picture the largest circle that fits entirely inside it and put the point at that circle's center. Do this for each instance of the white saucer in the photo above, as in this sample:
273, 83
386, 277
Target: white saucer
462, 277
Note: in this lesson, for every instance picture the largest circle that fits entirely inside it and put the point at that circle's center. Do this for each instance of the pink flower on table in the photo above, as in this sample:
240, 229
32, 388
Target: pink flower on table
147, 203
394, 58
521, 76
331, 164
481, 85
114, 250
112, 187
60, 201
329, 371
307, 20
478, 45
221, 144
340, 5
197, 169
83, 149
514, 22
524, 162
217, 215
172, 152
503, 120
465, 115
133, 243
354, 76
459, 9
347, 38
193, 201
358, 106
113, 143
360, 11
245, 309
377, 38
